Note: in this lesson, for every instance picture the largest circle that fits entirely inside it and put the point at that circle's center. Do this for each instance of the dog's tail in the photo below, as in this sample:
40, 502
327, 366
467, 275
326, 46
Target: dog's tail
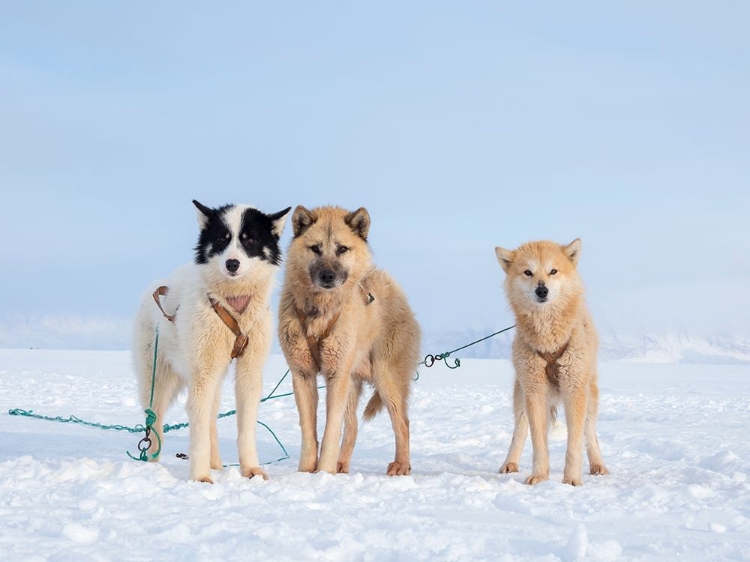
373, 406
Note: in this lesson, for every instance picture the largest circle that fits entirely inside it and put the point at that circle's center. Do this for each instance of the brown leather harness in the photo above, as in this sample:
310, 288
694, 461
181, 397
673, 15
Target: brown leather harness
162, 292
552, 368
313, 343
240, 341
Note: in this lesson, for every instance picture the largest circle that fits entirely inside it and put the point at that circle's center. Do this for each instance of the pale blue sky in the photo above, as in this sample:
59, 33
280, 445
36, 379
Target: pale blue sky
459, 125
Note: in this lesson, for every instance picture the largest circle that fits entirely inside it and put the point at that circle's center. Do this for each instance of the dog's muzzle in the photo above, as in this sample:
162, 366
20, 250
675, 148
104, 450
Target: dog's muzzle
541, 292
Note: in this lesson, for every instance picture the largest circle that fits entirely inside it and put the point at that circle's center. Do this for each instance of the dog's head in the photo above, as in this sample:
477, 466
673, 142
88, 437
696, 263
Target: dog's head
541, 274
237, 239
329, 247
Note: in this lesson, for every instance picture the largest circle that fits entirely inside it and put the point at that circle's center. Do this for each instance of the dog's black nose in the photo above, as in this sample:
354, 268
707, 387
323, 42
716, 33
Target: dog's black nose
327, 277
233, 266
542, 292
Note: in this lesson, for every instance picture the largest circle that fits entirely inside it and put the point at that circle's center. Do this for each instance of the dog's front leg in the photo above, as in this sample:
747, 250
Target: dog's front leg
305, 388
536, 412
575, 399
200, 407
248, 388
337, 394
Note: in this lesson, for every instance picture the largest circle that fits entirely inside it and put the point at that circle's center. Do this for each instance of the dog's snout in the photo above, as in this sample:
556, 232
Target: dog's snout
233, 266
327, 276
542, 291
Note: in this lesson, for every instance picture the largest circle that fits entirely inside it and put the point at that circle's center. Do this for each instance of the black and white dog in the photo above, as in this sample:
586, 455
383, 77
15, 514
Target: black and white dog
208, 312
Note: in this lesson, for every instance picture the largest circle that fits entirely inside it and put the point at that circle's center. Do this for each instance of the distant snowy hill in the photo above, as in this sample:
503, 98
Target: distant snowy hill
64, 332
54, 332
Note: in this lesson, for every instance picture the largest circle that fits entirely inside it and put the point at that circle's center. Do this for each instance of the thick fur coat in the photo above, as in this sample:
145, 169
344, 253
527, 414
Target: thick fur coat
361, 324
236, 259
554, 356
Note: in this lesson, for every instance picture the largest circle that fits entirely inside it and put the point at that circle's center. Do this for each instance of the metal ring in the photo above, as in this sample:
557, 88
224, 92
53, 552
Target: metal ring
144, 444
429, 360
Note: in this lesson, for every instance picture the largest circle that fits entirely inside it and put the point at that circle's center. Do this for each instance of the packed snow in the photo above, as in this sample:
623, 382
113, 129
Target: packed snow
674, 438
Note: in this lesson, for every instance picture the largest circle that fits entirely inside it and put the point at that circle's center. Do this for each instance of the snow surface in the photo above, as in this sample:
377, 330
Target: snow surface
673, 436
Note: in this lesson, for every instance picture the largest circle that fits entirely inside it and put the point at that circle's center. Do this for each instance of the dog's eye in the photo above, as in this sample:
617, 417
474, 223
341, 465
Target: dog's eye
341, 250
527, 273
227, 236
553, 272
316, 249
246, 239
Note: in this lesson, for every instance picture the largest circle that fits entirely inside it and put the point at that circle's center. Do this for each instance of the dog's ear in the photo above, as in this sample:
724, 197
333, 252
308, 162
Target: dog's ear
359, 222
278, 220
302, 219
573, 250
504, 257
204, 213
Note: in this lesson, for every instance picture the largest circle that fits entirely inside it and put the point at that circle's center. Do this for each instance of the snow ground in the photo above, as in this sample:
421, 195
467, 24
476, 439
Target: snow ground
673, 436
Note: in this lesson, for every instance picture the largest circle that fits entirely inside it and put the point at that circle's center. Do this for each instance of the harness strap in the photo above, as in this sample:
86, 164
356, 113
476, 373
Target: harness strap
552, 368
230, 322
161, 292
369, 297
313, 343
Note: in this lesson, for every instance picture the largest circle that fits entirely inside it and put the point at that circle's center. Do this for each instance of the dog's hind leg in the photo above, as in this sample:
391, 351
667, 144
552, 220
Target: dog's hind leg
167, 383
350, 427
520, 431
306, 396
394, 394
596, 462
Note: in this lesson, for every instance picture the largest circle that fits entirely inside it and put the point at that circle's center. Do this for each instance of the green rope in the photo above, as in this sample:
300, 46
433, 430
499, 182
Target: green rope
430, 360
286, 454
145, 444
151, 419
139, 428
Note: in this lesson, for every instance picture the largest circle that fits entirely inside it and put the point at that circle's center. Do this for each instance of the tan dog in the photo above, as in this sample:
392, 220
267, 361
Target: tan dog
349, 321
554, 355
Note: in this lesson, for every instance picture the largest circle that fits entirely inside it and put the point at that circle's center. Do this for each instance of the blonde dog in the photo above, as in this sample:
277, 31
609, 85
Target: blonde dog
554, 356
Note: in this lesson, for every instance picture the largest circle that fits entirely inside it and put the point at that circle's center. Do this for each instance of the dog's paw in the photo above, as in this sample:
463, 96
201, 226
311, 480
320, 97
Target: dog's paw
308, 466
342, 467
573, 480
204, 479
508, 467
254, 471
535, 479
398, 469
599, 470
330, 469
